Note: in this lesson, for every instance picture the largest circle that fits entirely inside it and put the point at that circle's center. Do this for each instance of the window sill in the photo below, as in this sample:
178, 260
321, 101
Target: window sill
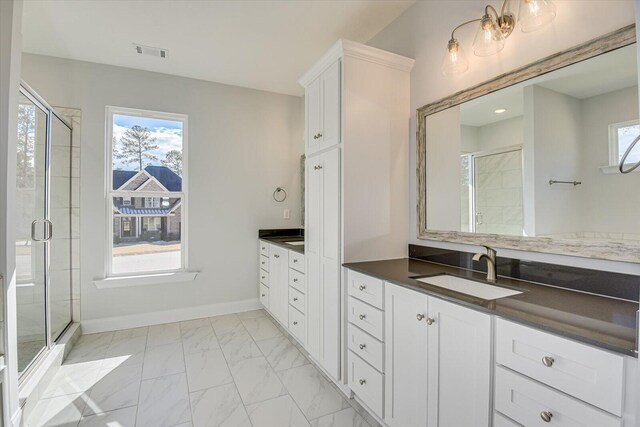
146, 279
612, 170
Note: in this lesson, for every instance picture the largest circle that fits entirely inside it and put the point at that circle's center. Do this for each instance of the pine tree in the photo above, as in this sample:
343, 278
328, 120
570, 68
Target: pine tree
173, 160
136, 146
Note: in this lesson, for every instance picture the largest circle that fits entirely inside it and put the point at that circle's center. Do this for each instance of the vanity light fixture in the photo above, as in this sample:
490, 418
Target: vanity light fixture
494, 29
500, 110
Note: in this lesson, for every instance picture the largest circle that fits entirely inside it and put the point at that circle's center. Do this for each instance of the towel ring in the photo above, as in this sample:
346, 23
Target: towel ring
626, 154
277, 198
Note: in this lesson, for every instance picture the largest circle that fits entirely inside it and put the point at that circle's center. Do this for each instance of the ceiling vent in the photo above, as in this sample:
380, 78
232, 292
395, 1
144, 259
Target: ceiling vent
151, 51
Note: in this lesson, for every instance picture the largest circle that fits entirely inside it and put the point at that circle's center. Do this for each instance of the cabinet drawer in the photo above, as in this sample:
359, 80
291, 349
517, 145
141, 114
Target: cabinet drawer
297, 325
367, 347
366, 289
366, 383
367, 318
527, 402
585, 372
296, 299
264, 296
264, 248
296, 279
500, 420
264, 277
296, 261
264, 263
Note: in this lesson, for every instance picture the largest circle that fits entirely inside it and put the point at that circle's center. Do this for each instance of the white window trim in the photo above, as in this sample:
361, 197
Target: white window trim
614, 154
129, 279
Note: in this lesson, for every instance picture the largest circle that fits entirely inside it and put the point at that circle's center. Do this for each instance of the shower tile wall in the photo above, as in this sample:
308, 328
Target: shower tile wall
498, 181
74, 117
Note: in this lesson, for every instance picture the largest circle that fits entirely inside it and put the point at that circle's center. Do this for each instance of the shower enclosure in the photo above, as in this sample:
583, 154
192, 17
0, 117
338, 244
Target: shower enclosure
43, 233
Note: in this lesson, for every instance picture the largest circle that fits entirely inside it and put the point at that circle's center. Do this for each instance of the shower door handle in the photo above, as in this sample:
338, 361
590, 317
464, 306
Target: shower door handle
48, 234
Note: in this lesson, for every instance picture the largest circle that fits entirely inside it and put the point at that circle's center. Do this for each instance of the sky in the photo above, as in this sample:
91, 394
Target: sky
168, 136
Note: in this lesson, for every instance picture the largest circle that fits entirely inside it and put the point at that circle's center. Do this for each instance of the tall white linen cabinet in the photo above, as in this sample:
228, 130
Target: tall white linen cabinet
357, 109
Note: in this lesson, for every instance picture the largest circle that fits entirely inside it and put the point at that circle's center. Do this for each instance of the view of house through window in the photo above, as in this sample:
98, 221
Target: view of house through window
146, 193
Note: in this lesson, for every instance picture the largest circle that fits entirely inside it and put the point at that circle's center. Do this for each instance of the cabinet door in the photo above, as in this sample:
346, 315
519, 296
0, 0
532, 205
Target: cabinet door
405, 357
330, 263
459, 365
313, 224
330, 87
279, 283
313, 101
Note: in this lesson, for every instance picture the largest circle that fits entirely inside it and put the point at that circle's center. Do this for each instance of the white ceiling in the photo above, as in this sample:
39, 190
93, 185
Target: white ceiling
264, 44
602, 74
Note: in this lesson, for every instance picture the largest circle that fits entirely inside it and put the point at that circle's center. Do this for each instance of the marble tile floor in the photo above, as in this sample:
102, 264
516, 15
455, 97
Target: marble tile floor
233, 370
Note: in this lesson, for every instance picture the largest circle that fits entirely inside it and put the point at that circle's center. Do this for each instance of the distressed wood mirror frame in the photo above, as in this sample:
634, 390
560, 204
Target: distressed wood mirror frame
616, 251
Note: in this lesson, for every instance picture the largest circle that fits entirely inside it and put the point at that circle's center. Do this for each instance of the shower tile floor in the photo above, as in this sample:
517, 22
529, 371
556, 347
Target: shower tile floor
232, 370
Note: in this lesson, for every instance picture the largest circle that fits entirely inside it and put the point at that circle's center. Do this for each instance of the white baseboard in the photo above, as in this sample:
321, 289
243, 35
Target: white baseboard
168, 316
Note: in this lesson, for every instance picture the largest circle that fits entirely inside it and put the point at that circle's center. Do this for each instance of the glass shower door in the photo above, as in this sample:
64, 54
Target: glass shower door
31, 230
59, 277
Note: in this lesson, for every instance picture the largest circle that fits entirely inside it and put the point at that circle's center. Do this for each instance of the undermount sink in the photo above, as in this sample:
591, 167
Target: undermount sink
469, 287
296, 243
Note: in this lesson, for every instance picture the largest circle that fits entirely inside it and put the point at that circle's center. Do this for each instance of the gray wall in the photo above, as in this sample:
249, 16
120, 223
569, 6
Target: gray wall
243, 143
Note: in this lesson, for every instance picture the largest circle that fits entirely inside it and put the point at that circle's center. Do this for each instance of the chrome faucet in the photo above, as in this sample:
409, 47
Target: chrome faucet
491, 262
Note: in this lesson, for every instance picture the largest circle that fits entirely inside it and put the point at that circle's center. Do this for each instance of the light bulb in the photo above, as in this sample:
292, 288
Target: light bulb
455, 60
489, 39
535, 14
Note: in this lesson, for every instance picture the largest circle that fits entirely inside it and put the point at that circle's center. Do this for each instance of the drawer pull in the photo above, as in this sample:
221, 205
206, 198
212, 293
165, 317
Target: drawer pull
264, 295
430, 321
548, 361
295, 260
263, 277
295, 280
295, 323
546, 416
263, 263
362, 316
295, 298
362, 382
362, 287
263, 248
362, 346
420, 317
276, 256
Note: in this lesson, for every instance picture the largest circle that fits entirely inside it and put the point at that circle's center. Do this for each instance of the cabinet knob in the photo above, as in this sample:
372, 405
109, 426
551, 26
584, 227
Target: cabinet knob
419, 317
317, 167
263, 248
295, 260
295, 323
295, 280
548, 361
276, 256
319, 135
263, 295
295, 299
546, 416
430, 321
362, 287
362, 316
362, 346
263, 277
362, 382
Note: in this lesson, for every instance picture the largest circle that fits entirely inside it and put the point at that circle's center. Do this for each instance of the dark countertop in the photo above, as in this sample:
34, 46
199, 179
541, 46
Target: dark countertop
280, 241
597, 320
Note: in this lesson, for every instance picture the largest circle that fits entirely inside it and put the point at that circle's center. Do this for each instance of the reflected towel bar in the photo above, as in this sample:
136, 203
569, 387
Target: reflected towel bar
552, 181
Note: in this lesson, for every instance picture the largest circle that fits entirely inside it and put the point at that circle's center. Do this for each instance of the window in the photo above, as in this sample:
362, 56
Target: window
621, 135
147, 168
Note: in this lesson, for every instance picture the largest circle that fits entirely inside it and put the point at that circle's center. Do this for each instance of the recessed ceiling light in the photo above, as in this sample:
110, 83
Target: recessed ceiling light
500, 110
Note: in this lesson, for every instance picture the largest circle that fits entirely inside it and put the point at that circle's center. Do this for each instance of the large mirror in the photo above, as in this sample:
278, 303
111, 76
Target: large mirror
530, 160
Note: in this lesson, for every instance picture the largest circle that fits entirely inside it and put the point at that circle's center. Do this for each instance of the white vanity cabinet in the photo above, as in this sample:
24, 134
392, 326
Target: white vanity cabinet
437, 362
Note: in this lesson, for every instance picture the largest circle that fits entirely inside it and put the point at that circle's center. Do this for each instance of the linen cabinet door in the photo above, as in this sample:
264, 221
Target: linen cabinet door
331, 101
459, 365
279, 283
405, 357
313, 232
313, 101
